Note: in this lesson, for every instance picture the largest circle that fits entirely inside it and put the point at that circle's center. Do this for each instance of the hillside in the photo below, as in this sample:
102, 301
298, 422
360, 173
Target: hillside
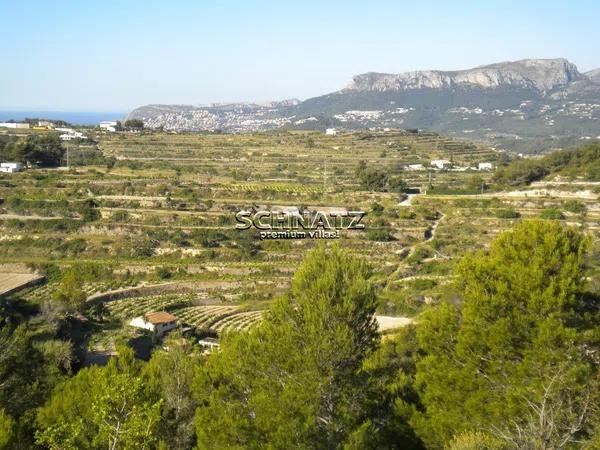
530, 105
581, 163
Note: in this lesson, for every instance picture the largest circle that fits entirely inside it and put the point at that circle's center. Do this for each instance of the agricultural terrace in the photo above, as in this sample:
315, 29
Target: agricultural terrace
152, 216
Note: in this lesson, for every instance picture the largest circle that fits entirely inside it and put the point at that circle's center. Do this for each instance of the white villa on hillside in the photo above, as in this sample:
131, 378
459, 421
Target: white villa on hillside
330, 131
16, 125
157, 322
10, 167
414, 167
441, 164
109, 125
485, 166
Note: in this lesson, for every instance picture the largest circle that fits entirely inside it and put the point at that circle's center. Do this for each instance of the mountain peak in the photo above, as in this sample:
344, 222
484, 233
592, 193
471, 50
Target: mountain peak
540, 74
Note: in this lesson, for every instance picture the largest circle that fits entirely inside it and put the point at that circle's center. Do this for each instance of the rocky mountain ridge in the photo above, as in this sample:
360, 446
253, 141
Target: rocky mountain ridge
540, 74
509, 104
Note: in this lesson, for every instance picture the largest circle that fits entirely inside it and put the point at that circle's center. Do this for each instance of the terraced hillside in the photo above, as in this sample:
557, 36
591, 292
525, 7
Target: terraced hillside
163, 212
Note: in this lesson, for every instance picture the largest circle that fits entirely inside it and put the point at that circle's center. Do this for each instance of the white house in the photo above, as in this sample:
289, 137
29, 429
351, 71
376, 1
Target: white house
485, 166
109, 125
157, 322
10, 167
65, 130
414, 167
330, 131
14, 125
72, 134
441, 163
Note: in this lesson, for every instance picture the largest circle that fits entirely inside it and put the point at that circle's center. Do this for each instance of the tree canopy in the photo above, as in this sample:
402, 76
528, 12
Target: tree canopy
296, 381
44, 150
512, 358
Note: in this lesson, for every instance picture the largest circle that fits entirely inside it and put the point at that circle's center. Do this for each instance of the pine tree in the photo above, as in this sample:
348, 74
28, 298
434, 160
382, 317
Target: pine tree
513, 358
295, 381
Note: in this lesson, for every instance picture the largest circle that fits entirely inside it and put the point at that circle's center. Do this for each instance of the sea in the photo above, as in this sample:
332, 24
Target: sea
72, 117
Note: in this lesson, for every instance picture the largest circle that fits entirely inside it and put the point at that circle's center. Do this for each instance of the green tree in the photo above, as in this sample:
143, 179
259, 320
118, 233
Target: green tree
44, 150
98, 311
6, 430
70, 291
296, 380
21, 371
514, 358
392, 397
171, 373
89, 210
134, 123
102, 407
25, 379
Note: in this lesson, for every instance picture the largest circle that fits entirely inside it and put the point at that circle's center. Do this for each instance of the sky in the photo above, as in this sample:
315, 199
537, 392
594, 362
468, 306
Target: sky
116, 55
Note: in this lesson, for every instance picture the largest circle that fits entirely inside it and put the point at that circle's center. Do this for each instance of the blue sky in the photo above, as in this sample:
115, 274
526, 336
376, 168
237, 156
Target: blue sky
116, 55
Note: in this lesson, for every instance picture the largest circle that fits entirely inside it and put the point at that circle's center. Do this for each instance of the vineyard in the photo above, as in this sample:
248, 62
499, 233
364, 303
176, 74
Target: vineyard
217, 318
44, 292
12, 282
164, 214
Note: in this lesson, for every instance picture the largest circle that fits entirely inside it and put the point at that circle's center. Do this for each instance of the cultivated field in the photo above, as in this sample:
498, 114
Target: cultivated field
164, 213
12, 282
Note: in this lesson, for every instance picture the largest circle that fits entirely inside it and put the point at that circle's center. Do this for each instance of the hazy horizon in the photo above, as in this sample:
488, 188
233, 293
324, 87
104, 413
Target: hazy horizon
115, 56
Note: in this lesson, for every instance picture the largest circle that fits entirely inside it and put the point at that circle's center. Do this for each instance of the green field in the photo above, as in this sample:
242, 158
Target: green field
163, 213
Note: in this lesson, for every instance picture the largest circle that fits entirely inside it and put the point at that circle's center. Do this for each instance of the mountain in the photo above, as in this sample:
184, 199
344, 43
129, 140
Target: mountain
529, 105
541, 75
593, 75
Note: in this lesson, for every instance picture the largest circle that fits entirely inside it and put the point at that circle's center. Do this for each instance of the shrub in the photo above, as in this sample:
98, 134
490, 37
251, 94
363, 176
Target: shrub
380, 235
552, 214
574, 206
508, 213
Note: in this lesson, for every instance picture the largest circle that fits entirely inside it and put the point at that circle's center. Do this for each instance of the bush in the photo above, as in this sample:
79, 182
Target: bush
574, 206
508, 213
377, 209
406, 214
380, 236
164, 273
552, 214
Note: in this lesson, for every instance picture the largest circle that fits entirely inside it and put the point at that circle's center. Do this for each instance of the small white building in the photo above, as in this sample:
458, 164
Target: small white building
109, 125
11, 167
330, 131
485, 166
209, 344
72, 134
414, 167
14, 125
441, 164
157, 322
